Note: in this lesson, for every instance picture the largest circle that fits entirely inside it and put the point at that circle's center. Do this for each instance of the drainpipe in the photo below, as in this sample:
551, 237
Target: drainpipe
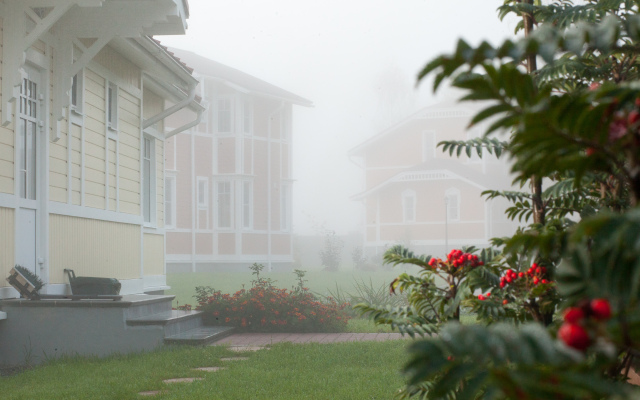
173, 109
186, 126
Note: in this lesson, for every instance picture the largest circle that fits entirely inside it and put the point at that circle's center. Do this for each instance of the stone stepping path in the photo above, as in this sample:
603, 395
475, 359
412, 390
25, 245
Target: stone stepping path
247, 348
150, 393
234, 359
209, 369
182, 380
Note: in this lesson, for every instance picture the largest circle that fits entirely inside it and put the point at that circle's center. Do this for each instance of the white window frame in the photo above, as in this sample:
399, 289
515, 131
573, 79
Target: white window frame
285, 207
228, 99
247, 117
452, 196
112, 106
77, 91
202, 200
408, 195
429, 145
218, 205
247, 205
170, 201
285, 131
151, 159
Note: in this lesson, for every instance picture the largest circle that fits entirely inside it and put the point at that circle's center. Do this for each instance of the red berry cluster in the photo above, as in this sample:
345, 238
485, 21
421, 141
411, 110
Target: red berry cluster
573, 331
535, 275
457, 259
483, 297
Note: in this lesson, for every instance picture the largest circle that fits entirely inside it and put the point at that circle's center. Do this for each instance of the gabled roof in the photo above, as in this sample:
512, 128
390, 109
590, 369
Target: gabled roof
210, 68
438, 169
437, 111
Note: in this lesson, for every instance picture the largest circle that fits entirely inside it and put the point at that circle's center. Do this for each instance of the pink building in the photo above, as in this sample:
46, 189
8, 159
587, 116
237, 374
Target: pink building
420, 197
228, 185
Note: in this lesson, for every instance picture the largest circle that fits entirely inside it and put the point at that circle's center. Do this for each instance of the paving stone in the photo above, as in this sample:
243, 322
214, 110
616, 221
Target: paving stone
150, 393
234, 359
247, 348
209, 369
181, 380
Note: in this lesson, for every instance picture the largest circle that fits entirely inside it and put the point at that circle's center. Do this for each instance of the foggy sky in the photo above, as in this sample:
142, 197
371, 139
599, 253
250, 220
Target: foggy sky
351, 58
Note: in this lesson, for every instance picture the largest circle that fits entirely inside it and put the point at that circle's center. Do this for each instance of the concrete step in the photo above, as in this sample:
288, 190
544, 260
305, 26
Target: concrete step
144, 305
173, 322
201, 336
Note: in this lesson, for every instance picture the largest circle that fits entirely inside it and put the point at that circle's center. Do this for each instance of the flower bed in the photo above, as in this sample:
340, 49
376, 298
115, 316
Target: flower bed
266, 308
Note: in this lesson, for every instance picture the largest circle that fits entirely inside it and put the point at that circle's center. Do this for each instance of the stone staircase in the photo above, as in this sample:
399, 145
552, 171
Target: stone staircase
37, 330
180, 327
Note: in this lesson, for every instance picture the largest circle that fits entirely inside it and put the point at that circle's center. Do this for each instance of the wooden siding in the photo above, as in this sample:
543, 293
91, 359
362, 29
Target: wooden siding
226, 243
204, 243
281, 244
94, 140
153, 254
153, 104
159, 183
254, 244
7, 143
178, 243
123, 68
58, 165
129, 152
76, 164
87, 246
226, 155
7, 160
7, 243
113, 168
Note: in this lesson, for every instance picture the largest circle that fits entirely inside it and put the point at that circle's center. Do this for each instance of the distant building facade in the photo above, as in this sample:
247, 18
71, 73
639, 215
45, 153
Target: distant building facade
228, 185
420, 197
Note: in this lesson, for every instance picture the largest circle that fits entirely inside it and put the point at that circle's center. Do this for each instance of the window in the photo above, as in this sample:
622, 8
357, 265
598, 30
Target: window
224, 115
284, 208
148, 176
224, 204
408, 206
77, 93
247, 117
428, 145
452, 199
27, 132
247, 205
112, 106
203, 202
170, 202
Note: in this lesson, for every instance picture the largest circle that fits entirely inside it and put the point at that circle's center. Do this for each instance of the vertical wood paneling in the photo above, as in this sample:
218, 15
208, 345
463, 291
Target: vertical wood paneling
114, 62
7, 243
93, 248
7, 160
153, 254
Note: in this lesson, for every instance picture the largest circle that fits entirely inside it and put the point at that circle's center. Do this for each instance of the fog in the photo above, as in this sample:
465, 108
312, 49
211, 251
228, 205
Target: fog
355, 60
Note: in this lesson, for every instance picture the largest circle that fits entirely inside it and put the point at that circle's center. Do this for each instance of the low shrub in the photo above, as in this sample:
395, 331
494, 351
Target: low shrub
266, 308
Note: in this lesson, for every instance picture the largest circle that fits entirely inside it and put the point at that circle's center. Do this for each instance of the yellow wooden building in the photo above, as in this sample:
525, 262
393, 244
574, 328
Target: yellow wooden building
83, 99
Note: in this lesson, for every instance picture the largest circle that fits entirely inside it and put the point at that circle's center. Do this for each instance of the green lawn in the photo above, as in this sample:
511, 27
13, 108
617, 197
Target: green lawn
362, 370
321, 282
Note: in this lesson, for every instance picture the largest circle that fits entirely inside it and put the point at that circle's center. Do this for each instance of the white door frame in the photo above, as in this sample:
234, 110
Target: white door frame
36, 195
